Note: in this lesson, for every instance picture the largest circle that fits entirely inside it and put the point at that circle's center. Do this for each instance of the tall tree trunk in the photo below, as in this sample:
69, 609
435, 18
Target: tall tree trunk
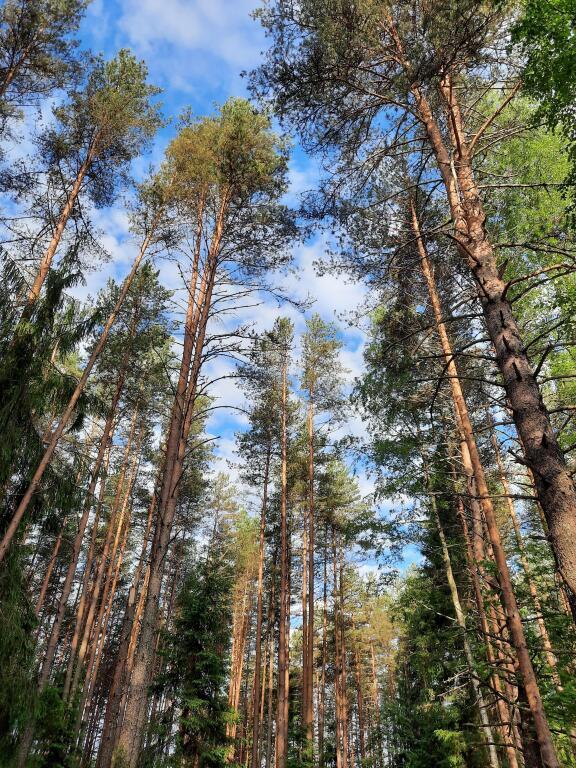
241, 624
542, 629
49, 569
283, 647
542, 451
50, 252
487, 734
341, 756
119, 676
507, 592
258, 640
304, 691
88, 700
348, 757
322, 691
377, 746
504, 709
359, 699
271, 622
309, 701
132, 730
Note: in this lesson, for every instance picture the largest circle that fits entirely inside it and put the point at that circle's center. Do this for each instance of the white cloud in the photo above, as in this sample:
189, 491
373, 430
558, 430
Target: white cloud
212, 38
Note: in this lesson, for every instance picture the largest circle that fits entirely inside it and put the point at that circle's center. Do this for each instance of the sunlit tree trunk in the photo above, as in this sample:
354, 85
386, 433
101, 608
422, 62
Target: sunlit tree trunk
322, 691
542, 629
132, 730
507, 592
283, 637
309, 700
119, 677
69, 410
543, 454
65, 213
258, 640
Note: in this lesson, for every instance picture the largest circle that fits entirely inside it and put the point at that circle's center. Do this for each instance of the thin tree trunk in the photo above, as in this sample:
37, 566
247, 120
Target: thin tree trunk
49, 569
322, 692
542, 452
309, 701
487, 734
258, 640
65, 418
109, 541
304, 618
340, 744
505, 712
84, 593
240, 634
344, 670
507, 592
132, 730
542, 629
359, 700
271, 622
87, 701
50, 252
13, 69
101, 622
283, 650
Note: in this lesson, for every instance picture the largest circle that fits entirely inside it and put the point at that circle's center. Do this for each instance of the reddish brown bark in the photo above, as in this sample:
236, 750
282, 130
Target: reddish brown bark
132, 730
119, 677
359, 699
284, 628
50, 252
111, 539
66, 416
258, 640
542, 629
556, 490
507, 592
309, 638
322, 691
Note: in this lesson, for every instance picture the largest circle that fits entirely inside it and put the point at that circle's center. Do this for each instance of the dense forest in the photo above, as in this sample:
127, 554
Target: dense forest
159, 607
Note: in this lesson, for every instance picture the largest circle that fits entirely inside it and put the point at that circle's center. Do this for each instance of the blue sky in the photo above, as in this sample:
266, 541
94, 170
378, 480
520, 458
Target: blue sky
195, 51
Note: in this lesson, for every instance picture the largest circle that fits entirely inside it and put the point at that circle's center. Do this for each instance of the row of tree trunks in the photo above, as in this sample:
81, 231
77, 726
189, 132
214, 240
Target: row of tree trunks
86, 621
513, 617
240, 632
121, 666
487, 734
541, 624
131, 733
46, 459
